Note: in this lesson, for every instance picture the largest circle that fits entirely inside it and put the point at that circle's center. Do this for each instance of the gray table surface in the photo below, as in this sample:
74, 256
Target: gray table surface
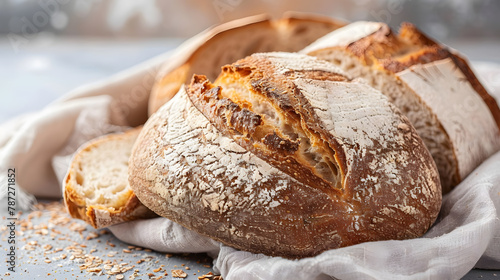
37, 74
52, 245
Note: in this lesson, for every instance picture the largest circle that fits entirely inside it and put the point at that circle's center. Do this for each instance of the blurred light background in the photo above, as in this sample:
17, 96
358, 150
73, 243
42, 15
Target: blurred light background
48, 47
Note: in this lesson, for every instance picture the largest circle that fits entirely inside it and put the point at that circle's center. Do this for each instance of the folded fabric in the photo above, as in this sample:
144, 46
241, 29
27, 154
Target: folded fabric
40, 146
29, 143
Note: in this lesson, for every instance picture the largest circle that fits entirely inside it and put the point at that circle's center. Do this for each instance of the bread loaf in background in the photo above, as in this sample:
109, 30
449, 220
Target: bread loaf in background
433, 86
228, 42
96, 187
287, 156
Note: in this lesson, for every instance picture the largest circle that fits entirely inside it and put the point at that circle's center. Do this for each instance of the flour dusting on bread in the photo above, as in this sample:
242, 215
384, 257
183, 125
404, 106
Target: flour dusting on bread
264, 159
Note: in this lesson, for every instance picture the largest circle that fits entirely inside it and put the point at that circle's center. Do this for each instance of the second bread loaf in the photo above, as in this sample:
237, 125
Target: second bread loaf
208, 51
434, 87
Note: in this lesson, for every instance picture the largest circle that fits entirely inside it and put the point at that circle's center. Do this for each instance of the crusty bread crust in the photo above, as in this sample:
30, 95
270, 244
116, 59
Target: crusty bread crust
100, 216
410, 47
456, 150
200, 160
225, 43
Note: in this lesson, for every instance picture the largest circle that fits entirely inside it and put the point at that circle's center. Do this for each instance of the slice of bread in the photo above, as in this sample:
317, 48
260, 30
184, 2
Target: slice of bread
208, 51
432, 85
96, 187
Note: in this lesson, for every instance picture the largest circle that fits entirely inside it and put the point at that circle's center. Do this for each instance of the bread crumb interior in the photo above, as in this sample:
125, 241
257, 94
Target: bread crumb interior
102, 173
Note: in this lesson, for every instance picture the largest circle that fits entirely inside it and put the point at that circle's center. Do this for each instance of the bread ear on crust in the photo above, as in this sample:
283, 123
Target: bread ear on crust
433, 86
96, 186
287, 156
208, 51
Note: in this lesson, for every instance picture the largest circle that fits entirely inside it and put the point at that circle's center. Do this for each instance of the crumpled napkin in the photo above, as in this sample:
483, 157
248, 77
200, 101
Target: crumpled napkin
40, 145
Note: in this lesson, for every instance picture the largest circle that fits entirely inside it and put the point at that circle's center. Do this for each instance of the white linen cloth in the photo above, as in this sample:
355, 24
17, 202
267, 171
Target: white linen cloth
39, 146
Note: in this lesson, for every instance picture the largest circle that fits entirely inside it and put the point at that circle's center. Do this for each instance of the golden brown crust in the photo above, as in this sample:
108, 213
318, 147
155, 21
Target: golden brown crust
100, 216
241, 124
410, 47
74, 202
197, 166
222, 45
396, 53
164, 89
294, 18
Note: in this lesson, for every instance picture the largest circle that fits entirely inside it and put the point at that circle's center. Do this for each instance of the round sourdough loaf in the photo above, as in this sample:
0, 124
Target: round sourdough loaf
285, 155
208, 51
